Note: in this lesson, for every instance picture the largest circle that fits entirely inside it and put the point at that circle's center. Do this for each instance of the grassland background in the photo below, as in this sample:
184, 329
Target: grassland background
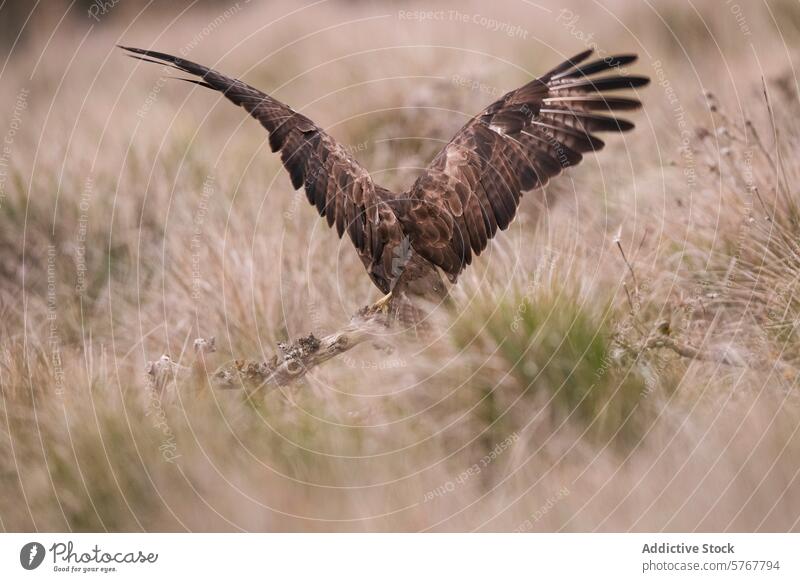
137, 213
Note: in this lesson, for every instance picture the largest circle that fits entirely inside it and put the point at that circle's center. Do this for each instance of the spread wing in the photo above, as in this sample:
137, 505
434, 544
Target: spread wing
518, 143
340, 188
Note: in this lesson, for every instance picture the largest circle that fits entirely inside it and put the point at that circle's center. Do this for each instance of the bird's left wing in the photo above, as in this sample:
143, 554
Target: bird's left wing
518, 143
341, 189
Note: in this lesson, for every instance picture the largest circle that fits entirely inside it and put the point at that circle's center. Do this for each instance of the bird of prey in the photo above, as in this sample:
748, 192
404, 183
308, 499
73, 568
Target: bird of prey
470, 190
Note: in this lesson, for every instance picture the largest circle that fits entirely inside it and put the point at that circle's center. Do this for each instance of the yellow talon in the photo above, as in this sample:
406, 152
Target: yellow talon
383, 303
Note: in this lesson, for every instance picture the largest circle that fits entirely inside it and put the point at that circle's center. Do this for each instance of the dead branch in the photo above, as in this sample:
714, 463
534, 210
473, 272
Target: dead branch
293, 361
686, 351
689, 352
165, 371
290, 364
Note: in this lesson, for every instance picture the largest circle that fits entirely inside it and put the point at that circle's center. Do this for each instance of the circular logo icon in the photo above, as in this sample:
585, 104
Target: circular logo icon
31, 555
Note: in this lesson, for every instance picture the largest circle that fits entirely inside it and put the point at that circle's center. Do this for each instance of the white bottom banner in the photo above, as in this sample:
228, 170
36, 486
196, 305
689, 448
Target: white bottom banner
401, 557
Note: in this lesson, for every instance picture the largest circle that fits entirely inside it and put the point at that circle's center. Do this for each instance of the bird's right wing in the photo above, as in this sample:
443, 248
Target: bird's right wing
340, 188
473, 186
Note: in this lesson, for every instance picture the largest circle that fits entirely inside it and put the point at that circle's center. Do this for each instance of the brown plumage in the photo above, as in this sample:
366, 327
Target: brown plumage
472, 187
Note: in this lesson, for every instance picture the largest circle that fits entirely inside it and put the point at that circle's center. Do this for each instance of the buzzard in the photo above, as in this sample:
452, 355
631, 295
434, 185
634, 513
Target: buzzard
471, 189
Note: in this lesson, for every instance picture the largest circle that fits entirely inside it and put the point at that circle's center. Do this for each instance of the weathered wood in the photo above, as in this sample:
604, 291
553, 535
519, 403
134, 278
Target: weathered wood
293, 361
290, 364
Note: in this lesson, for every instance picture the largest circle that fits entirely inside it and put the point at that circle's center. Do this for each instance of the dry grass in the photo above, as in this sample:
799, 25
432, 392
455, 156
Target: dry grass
543, 402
